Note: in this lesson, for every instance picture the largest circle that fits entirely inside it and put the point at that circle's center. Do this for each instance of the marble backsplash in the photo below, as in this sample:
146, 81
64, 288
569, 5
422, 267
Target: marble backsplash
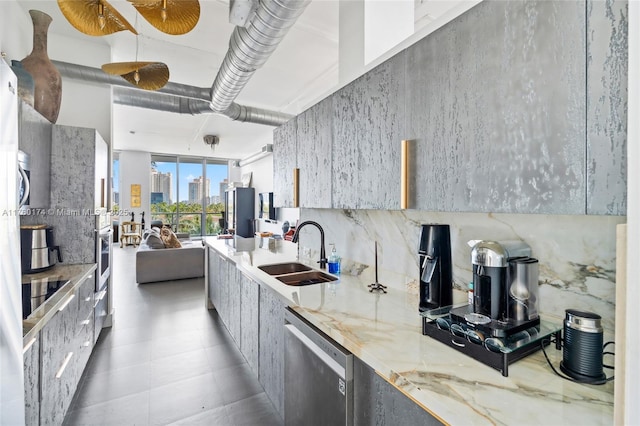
576, 253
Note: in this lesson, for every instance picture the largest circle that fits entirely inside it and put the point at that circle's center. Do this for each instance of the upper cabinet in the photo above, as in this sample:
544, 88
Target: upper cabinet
607, 64
314, 139
368, 123
284, 162
496, 111
513, 107
79, 163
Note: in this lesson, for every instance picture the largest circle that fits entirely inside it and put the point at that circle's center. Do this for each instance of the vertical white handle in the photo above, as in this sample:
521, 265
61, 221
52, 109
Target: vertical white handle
28, 345
66, 303
64, 365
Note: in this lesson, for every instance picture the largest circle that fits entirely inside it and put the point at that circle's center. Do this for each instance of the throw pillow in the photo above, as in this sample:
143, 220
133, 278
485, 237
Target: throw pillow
151, 238
169, 238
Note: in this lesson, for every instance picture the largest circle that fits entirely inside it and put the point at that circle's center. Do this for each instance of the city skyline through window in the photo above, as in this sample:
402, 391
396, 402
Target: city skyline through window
183, 196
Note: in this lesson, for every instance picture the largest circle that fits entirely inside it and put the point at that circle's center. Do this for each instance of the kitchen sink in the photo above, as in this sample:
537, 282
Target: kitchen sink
284, 268
306, 278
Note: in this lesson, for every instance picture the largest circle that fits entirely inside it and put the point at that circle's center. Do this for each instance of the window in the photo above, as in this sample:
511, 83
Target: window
216, 174
185, 193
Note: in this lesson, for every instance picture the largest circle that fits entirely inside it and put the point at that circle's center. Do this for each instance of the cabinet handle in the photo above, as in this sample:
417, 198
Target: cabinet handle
64, 365
64, 305
404, 175
101, 295
85, 322
296, 187
88, 299
87, 343
28, 345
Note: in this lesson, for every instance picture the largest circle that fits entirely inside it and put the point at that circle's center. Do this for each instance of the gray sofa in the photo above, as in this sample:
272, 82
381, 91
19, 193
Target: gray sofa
163, 264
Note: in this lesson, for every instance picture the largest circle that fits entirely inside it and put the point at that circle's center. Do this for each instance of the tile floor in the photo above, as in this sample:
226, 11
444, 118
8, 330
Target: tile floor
166, 360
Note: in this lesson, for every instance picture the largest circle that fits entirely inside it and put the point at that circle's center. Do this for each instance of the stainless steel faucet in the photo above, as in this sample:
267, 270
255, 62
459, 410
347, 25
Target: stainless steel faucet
323, 256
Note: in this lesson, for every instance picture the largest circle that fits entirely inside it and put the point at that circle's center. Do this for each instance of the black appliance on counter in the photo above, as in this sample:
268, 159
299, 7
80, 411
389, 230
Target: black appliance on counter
436, 272
502, 324
582, 355
505, 289
38, 248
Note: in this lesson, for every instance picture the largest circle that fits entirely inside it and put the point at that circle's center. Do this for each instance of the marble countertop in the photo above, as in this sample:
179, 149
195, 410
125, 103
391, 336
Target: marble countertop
384, 331
74, 274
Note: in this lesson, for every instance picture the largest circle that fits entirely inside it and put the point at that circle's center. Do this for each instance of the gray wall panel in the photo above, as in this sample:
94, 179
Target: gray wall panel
498, 110
368, 127
607, 107
284, 161
314, 154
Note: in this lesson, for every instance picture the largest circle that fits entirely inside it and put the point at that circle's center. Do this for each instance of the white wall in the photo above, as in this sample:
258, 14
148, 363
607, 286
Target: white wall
386, 24
135, 168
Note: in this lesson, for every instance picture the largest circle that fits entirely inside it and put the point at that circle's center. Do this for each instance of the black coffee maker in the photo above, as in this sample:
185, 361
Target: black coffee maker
436, 274
490, 261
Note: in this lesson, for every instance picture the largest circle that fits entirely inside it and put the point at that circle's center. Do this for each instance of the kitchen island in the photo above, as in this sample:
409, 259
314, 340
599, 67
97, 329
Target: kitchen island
384, 331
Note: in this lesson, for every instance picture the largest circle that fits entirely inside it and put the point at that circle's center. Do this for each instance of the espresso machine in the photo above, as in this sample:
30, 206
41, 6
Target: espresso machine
505, 289
436, 273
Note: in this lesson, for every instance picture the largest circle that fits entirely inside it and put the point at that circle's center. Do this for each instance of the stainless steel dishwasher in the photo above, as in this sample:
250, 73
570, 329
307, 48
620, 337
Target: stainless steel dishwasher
318, 376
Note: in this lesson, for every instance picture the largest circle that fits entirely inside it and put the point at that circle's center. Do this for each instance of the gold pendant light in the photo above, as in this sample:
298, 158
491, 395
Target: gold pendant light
145, 75
94, 17
173, 17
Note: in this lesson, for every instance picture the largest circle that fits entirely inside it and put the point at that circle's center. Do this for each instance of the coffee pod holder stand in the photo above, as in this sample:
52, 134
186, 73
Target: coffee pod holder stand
497, 353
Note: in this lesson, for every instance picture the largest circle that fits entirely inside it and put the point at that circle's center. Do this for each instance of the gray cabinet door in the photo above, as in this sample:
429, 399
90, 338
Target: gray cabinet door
284, 161
271, 351
607, 64
249, 313
32, 384
214, 278
368, 123
233, 301
223, 306
497, 111
85, 324
59, 354
314, 155
377, 403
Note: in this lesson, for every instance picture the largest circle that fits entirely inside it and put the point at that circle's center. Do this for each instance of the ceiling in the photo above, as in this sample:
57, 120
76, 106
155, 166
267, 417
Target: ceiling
301, 71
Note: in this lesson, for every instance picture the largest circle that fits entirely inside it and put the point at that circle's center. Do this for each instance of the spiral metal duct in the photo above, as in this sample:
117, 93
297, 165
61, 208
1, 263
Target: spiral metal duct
249, 48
